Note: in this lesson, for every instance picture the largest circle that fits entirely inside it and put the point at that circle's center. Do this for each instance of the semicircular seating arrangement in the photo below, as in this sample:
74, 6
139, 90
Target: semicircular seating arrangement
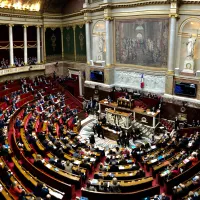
43, 153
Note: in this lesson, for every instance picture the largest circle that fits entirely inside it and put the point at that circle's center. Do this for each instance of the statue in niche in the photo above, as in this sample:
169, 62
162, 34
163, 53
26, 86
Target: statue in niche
189, 61
190, 46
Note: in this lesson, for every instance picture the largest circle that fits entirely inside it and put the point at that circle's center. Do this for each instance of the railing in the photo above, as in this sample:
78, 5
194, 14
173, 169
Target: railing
14, 70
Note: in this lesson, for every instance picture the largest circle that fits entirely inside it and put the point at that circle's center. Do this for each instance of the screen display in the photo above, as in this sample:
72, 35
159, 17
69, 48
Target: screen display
97, 76
185, 89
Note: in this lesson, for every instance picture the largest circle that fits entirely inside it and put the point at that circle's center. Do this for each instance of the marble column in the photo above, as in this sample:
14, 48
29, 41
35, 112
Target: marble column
108, 41
42, 48
25, 46
88, 41
62, 42
38, 45
11, 44
80, 84
172, 44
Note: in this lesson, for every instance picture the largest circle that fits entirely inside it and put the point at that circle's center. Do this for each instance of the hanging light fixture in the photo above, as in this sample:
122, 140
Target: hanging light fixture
19, 6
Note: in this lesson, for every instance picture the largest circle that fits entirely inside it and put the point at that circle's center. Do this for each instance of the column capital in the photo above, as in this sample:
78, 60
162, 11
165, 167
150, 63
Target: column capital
11, 25
25, 26
38, 26
88, 21
74, 26
173, 15
108, 18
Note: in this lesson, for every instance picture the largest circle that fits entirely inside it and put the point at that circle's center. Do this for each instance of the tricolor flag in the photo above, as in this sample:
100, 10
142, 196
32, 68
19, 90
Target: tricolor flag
142, 81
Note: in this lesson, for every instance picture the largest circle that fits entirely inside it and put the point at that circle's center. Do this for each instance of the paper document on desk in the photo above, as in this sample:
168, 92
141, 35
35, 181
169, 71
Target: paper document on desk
121, 167
186, 161
92, 159
49, 166
154, 160
56, 194
153, 147
77, 162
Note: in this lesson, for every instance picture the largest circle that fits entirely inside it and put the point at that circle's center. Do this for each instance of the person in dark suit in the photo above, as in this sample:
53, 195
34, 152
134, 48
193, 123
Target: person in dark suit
114, 168
176, 123
41, 190
103, 187
99, 130
85, 164
92, 139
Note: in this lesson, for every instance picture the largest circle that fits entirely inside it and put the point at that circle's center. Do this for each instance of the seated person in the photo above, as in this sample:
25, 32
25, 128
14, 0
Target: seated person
196, 180
38, 161
103, 187
90, 187
16, 188
41, 190
68, 166
163, 197
114, 186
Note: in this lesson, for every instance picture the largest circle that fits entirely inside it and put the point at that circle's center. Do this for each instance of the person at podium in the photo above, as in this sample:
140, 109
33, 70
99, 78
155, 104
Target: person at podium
126, 95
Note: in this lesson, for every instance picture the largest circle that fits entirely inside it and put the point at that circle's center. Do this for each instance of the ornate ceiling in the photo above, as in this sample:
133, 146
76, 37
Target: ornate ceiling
52, 6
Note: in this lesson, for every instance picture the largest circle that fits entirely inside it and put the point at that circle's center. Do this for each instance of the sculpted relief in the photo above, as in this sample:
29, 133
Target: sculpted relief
131, 79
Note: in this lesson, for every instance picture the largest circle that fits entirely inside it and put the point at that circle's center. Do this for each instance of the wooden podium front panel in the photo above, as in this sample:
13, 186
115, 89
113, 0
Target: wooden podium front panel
144, 119
110, 134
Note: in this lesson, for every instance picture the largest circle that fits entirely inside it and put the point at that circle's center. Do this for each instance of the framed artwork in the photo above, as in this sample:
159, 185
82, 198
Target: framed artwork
142, 42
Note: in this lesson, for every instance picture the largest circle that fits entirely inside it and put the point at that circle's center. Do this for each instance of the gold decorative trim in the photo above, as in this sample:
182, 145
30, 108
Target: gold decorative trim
108, 18
146, 68
173, 15
170, 72
88, 21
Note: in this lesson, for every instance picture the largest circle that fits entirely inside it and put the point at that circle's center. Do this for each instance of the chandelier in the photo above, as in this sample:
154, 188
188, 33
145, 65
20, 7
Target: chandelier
19, 6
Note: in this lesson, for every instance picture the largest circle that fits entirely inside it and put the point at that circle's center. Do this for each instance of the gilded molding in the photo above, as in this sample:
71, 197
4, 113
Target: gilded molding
174, 15
170, 72
108, 18
88, 21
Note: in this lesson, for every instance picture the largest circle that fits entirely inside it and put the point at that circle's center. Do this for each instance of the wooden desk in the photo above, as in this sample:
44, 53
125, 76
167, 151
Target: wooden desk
138, 195
119, 175
111, 134
5, 193
122, 119
138, 114
131, 185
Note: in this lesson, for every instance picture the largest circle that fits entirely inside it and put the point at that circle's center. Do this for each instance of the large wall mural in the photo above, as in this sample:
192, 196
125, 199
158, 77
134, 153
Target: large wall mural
142, 42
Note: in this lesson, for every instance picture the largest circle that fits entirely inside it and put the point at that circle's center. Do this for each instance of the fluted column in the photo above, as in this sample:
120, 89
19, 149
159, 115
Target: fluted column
11, 44
172, 44
88, 41
62, 42
25, 46
38, 45
108, 41
42, 48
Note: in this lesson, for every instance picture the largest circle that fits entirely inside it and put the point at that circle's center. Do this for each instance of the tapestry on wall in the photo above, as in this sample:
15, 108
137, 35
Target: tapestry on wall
80, 43
68, 42
142, 42
53, 43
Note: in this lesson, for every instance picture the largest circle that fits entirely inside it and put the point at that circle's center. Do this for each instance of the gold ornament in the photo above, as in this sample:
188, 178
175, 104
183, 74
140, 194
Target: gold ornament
53, 40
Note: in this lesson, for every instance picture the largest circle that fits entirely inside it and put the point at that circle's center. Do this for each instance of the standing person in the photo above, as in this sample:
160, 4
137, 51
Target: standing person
92, 139
99, 130
176, 123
